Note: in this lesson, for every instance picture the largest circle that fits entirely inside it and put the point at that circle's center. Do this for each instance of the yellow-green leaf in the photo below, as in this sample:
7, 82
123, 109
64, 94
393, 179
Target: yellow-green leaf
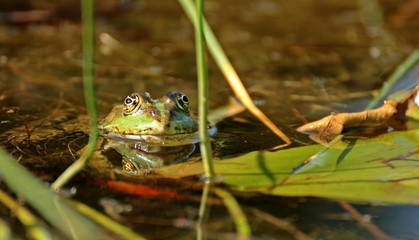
384, 169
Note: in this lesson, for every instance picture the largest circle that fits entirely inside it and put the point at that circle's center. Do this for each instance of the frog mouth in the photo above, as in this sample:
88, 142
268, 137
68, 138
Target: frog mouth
160, 140
157, 140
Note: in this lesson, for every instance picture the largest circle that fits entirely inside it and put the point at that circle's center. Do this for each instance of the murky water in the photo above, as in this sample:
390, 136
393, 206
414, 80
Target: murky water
296, 58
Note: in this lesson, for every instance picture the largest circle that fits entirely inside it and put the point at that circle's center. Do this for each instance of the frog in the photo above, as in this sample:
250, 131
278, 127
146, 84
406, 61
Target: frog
150, 133
156, 122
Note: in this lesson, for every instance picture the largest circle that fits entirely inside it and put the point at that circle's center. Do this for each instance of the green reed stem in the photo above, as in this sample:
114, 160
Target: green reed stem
404, 67
230, 73
205, 144
202, 27
240, 220
213, 45
89, 94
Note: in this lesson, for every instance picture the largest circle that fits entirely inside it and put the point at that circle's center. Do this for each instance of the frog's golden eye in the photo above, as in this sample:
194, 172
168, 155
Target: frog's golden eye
180, 99
183, 101
132, 103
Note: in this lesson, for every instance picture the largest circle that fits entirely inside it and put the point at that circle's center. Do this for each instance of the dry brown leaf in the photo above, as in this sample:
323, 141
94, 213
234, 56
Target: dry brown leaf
326, 129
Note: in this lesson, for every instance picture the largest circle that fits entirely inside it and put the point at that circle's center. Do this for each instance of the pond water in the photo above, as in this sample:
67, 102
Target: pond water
297, 58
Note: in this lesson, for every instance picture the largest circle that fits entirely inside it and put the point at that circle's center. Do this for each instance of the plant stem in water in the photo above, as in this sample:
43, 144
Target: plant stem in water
205, 143
230, 73
89, 94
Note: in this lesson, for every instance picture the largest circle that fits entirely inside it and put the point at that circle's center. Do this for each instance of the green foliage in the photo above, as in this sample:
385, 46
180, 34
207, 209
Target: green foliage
404, 78
74, 220
51, 206
202, 73
89, 94
378, 170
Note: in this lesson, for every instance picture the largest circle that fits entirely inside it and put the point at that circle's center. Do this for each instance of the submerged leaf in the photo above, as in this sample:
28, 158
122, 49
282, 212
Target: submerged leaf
380, 170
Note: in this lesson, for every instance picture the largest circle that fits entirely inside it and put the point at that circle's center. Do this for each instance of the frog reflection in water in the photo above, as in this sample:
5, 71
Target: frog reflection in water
151, 132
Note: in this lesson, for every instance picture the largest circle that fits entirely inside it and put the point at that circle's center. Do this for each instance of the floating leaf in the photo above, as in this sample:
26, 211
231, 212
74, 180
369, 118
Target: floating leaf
381, 170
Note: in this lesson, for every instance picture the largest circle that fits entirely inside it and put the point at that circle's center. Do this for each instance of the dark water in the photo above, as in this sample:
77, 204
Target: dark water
296, 58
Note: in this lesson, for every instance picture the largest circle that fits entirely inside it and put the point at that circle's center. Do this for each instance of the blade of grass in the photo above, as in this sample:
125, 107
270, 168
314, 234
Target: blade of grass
240, 220
205, 145
5, 232
49, 205
89, 95
31, 223
401, 70
230, 73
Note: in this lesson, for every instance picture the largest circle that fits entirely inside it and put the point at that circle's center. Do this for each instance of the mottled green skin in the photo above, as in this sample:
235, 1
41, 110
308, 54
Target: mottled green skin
160, 122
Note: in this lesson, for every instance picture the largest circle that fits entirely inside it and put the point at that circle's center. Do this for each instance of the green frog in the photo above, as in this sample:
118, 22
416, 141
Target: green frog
147, 132
151, 132
156, 122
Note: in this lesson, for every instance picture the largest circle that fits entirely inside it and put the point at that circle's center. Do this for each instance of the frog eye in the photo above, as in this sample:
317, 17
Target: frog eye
182, 101
132, 103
